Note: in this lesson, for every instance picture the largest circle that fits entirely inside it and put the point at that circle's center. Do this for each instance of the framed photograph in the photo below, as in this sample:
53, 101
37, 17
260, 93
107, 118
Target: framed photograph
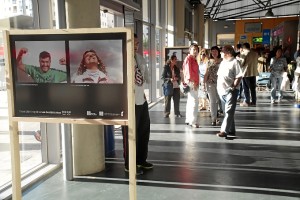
69, 74
180, 52
253, 27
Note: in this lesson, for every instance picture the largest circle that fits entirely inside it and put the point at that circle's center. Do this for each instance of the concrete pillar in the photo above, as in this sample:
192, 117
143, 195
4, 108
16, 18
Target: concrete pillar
198, 24
88, 140
42, 12
83, 14
179, 6
208, 39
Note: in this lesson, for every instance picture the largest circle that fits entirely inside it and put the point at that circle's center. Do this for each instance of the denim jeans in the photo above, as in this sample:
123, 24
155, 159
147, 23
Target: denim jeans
249, 86
229, 104
275, 84
213, 100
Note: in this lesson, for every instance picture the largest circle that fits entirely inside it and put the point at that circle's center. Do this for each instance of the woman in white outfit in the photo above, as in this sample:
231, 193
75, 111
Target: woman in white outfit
191, 77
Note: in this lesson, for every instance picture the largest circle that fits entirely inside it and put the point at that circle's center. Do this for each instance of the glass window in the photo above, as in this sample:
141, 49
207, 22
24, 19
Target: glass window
29, 138
146, 51
5, 159
14, 9
158, 59
158, 12
146, 10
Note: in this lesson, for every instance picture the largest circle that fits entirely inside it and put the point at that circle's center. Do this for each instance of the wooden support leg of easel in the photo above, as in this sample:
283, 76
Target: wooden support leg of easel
15, 161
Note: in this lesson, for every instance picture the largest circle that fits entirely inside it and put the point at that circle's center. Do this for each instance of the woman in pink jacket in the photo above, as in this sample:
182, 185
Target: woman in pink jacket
191, 78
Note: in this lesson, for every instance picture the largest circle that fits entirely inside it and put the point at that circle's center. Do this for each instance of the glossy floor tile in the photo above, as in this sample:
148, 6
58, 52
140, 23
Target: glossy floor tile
263, 162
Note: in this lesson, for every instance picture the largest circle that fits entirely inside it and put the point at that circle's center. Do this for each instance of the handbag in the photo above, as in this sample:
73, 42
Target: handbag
184, 88
167, 88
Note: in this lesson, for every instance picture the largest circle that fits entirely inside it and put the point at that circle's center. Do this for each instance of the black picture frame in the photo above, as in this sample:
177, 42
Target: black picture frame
71, 99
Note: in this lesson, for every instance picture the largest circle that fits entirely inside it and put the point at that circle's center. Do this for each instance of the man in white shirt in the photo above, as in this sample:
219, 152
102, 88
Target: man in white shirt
229, 77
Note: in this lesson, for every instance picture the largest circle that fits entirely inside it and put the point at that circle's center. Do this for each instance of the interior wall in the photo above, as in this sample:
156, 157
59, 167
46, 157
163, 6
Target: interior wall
221, 27
267, 23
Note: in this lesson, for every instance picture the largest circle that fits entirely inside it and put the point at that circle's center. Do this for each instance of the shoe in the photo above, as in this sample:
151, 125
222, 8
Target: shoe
166, 116
244, 104
253, 104
139, 171
217, 121
222, 134
179, 116
272, 101
213, 123
279, 99
195, 125
230, 136
146, 165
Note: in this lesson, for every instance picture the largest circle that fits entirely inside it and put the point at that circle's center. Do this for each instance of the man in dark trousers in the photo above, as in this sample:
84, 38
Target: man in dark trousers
249, 66
142, 119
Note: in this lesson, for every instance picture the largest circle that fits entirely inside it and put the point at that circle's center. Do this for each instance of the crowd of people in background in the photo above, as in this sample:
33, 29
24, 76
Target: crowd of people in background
222, 77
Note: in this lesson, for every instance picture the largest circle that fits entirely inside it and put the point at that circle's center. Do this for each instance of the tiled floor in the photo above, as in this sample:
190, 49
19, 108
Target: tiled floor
262, 163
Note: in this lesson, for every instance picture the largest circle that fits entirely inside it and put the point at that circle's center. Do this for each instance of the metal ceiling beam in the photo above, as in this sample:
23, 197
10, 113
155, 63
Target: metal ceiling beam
218, 8
213, 6
226, 3
259, 3
241, 14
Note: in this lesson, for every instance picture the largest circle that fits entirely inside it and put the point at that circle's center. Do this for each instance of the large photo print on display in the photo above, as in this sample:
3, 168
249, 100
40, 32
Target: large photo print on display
70, 75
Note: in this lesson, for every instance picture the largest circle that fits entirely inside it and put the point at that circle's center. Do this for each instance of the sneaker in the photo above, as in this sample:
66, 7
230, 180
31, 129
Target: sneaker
146, 165
272, 101
195, 125
139, 171
230, 136
213, 123
222, 134
244, 104
279, 99
166, 116
179, 116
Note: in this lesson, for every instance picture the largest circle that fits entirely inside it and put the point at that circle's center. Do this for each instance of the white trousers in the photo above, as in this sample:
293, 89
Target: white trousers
213, 100
192, 107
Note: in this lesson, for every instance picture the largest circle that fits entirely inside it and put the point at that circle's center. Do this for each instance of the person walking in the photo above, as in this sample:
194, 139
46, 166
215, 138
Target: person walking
278, 65
171, 74
142, 119
210, 83
249, 67
191, 78
229, 77
237, 55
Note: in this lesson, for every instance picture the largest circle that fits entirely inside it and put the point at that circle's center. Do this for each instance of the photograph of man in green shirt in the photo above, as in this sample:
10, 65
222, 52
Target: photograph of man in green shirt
44, 73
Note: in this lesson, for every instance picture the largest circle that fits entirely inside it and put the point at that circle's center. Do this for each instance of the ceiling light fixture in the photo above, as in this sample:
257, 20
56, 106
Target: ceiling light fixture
269, 13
